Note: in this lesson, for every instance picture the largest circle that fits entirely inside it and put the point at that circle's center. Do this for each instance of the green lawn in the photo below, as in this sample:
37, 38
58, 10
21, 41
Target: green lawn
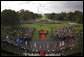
46, 27
43, 19
78, 45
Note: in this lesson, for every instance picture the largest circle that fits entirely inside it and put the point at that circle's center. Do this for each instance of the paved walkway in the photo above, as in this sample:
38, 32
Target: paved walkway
36, 54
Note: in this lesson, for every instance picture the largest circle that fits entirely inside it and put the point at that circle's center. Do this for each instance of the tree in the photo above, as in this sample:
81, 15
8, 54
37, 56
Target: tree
9, 18
37, 16
21, 15
71, 14
51, 16
78, 16
26, 15
61, 16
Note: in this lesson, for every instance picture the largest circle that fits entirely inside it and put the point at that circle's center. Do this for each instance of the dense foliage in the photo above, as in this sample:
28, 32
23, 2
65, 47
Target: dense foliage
9, 18
76, 16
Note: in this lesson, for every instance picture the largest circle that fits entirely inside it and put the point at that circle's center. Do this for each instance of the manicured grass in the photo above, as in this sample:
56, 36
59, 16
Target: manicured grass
46, 27
78, 45
43, 19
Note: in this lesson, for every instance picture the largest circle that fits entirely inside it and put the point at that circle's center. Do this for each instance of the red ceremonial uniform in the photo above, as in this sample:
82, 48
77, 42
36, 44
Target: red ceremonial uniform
42, 53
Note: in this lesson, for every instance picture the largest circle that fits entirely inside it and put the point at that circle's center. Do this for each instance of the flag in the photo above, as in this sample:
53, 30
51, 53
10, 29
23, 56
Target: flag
18, 40
23, 42
7, 37
26, 42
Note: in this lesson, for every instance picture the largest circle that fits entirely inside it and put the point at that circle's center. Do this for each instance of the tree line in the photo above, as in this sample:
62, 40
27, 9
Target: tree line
76, 16
11, 17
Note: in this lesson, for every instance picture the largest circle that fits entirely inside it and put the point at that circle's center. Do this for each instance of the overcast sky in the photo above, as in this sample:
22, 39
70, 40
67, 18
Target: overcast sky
44, 6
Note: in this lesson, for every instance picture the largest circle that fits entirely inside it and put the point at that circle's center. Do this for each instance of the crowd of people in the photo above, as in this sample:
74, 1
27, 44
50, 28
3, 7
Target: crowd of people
67, 35
20, 36
65, 32
26, 33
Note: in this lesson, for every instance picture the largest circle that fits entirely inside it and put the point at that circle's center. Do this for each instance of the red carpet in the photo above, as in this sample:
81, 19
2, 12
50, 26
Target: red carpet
43, 37
43, 34
42, 53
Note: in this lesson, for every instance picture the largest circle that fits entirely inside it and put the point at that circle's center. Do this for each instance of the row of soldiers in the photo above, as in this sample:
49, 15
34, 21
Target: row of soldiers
55, 45
51, 45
